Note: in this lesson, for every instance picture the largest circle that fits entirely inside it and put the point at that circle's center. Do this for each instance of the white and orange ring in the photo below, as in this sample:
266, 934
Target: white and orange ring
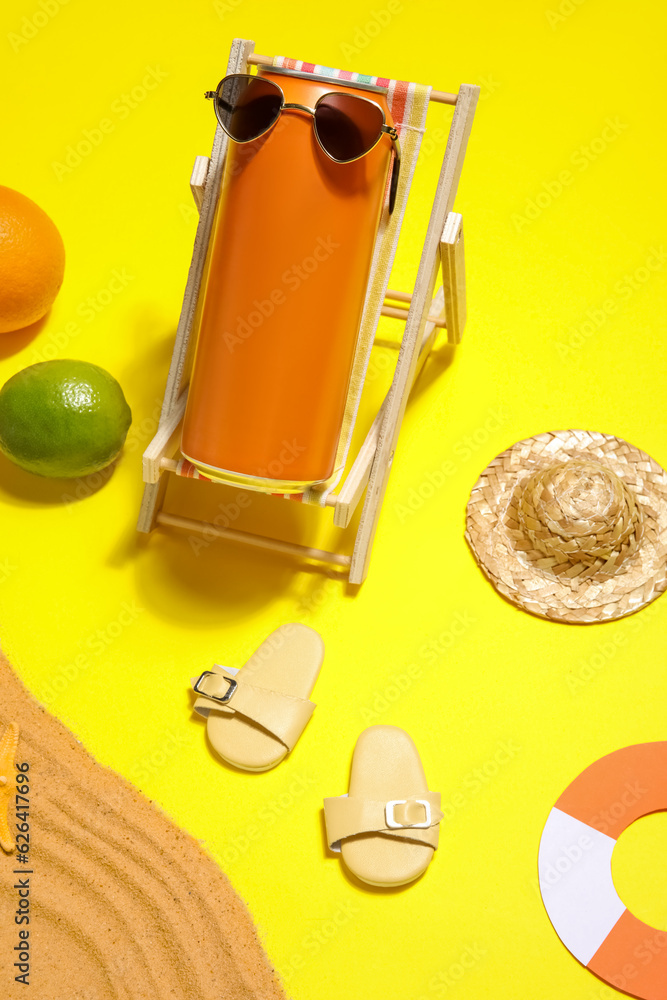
575, 869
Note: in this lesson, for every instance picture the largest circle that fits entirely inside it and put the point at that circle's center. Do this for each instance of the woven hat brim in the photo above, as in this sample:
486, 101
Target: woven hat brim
579, 602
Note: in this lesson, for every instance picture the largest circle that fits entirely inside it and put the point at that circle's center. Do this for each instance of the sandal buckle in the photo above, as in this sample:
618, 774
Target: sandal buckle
394, 824
222, 699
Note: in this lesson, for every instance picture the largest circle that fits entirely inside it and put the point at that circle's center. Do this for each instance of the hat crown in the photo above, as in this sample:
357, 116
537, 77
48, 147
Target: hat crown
581, 516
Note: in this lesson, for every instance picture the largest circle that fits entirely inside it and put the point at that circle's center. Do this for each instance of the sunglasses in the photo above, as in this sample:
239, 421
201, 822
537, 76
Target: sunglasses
346, 126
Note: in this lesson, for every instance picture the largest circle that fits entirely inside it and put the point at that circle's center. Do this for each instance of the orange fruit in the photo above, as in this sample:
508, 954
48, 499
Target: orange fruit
32, 261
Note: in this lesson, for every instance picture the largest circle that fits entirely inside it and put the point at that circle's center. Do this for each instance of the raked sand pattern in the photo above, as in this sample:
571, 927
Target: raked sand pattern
123, 904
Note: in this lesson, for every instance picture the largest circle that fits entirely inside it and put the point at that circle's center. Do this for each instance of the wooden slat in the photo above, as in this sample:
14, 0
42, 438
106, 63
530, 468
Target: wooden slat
444, 200
257, 541
165, 442
198, 179
453, 277
403, 314
179, 373
151, 502
392, 296
355, 482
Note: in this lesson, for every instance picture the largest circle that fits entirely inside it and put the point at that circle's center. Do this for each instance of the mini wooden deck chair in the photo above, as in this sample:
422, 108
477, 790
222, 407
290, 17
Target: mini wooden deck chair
422, 314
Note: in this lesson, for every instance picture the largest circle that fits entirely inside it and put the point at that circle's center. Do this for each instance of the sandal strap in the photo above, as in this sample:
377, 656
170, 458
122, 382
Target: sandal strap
282, 715
415, 818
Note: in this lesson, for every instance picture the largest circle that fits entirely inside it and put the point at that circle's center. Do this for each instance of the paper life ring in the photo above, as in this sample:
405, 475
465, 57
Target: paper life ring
575, 869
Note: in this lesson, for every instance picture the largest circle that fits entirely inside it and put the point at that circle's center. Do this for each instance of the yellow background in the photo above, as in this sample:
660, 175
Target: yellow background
99, 622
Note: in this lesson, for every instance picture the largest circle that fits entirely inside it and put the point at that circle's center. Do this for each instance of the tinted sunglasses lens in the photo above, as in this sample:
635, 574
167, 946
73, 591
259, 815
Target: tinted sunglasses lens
347, 126
393, 186
247, 106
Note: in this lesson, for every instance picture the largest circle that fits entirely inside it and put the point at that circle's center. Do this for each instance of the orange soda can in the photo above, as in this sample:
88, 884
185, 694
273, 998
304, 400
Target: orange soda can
281, 300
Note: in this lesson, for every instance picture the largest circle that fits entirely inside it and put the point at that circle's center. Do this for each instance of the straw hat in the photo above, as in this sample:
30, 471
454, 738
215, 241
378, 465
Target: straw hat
572, 526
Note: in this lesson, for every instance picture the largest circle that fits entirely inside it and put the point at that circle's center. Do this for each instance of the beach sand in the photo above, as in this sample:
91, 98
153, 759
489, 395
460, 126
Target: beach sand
123, 905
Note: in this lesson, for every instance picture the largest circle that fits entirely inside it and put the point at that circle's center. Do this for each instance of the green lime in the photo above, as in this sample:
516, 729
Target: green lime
63, 418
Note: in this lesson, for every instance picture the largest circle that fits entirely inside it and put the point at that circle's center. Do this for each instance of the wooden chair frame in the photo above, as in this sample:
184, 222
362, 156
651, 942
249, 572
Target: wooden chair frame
423, 316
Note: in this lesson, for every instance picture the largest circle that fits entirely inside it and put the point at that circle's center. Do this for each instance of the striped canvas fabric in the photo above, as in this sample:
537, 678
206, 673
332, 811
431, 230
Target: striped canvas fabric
186, 469
337, 74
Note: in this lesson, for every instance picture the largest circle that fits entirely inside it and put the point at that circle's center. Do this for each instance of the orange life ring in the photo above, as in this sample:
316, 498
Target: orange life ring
575, 869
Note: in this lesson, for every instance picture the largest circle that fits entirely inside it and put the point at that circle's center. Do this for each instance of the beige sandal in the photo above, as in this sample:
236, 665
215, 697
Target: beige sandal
386, 827
256, 714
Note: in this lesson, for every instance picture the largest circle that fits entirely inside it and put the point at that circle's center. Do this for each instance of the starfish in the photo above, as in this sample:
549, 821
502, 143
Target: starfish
8, 745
